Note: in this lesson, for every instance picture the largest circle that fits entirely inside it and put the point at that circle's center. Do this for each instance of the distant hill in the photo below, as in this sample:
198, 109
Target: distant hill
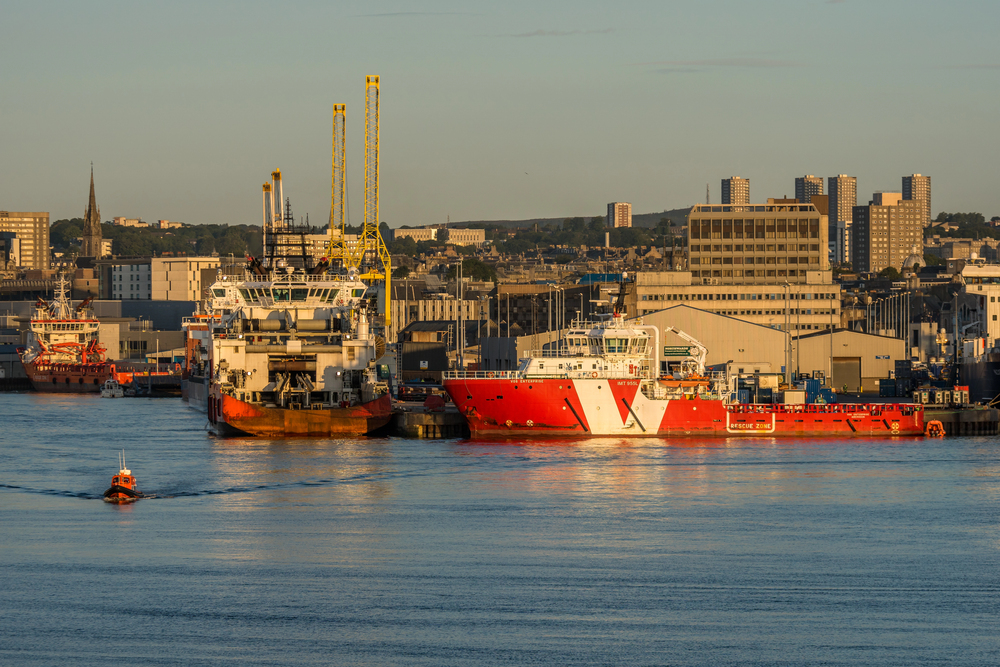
678, 215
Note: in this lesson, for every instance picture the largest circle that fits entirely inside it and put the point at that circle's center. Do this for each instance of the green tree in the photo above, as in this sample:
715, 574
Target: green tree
475, 269
401, 272
932, 260
890, 273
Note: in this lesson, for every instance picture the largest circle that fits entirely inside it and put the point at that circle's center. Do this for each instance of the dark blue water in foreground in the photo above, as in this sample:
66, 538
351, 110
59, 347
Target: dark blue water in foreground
448, 552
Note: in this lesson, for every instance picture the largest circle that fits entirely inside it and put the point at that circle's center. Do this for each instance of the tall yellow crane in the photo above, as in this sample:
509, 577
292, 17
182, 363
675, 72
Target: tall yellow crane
336, 247
370, 256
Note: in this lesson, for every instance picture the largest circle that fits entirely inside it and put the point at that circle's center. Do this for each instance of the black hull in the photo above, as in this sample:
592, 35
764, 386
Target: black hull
119, 491
982, 377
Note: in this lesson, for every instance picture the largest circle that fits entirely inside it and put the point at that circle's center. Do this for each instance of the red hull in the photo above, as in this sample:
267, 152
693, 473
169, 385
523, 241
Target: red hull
616, 407
231, 416
67, 378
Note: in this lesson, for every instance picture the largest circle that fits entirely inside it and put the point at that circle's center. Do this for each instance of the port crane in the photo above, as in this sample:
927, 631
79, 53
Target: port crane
370, 257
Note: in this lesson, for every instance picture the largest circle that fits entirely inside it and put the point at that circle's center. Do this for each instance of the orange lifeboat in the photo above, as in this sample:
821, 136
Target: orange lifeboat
124, 488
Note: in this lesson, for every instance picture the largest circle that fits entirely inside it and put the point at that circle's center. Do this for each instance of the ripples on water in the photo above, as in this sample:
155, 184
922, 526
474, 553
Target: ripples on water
448, 552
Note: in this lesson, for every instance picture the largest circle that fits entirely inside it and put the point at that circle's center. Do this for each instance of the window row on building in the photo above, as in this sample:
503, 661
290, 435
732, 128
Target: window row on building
754, 229
696, 261
765, 247
745, 296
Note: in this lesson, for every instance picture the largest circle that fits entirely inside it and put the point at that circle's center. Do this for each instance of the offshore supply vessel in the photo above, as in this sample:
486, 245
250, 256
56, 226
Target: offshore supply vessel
290, 351
63, 354
294, 356
603, 380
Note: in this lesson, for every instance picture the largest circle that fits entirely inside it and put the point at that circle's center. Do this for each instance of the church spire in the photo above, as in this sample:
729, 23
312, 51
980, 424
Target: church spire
91, 224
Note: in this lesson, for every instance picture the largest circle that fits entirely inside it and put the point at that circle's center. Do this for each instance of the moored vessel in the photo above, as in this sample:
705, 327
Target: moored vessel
63, 354
294, 356
602, 380
112, 389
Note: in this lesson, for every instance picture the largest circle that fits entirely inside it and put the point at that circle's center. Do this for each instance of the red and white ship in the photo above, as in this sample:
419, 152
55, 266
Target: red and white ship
63, 353
603, 380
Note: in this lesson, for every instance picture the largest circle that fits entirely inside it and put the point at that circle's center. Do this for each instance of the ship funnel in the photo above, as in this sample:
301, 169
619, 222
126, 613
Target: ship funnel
362, 326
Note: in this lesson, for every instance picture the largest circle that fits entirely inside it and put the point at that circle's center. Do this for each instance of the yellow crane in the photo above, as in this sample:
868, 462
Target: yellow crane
337, 248
369, 256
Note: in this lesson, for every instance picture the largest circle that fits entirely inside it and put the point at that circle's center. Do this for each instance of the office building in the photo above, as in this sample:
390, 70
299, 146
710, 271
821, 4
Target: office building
129, 279
807, 186
619, 214
788, 307
918, 188
735, 190
758, 244
886, 231
31, 229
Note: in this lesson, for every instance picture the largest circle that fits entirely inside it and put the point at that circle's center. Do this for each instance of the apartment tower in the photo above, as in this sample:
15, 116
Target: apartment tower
619, 214
807, 186
843, 193
918, 188
735, 190
31, 237
886, 231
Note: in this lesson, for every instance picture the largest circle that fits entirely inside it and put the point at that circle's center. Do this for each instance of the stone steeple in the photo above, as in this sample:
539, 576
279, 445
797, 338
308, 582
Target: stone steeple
91, 224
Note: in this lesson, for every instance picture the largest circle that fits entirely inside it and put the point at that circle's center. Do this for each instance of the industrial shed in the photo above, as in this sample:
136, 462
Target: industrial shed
856, 359
727, 338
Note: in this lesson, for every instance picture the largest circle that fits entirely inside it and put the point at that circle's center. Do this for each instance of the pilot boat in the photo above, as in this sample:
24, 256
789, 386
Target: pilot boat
124, 488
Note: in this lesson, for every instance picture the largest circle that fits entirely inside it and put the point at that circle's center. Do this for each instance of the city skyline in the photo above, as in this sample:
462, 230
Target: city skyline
490, 112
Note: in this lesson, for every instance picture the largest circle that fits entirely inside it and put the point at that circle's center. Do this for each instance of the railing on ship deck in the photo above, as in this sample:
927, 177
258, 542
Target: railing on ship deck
823, 408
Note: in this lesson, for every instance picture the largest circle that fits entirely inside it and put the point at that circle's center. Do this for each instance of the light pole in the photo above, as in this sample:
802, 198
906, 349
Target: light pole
788, 340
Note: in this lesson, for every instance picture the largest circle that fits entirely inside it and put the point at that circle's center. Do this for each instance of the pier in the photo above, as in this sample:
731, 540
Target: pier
416, 423
971, 421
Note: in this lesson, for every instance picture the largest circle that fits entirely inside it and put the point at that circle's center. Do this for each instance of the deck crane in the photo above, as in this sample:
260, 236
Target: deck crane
699, 358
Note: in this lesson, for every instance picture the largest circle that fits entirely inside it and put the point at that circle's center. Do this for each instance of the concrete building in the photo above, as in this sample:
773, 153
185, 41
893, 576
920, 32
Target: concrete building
463, 237
843, 193
803, 306
619, 214
735, 190
130, 280
180, 278
918, 188
31, 229
167, 224
807, 186
128, 222
758, 244
886, 232
418, 234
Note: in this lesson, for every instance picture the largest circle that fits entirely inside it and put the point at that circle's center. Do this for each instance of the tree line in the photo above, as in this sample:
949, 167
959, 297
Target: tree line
202, 240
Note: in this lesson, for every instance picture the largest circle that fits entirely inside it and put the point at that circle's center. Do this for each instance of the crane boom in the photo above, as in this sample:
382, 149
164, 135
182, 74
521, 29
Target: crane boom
336, 247
701, 356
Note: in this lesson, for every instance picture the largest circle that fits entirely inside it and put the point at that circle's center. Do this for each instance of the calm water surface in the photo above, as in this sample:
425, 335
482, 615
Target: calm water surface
450, 552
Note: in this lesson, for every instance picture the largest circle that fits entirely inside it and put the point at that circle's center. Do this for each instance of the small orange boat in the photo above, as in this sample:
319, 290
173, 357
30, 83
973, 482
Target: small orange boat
124, 488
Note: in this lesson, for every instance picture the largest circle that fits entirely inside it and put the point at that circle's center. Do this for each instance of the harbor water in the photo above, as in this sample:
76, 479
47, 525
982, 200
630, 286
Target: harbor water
391, 551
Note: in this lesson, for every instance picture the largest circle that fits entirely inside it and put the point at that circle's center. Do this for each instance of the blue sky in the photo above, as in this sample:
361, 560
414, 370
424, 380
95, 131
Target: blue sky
492, 110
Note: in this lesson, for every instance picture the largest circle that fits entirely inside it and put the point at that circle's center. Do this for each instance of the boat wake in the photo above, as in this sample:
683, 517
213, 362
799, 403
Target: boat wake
181, 493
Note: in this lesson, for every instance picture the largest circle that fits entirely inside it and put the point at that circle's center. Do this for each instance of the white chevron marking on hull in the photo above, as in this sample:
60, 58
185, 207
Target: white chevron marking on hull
603, 415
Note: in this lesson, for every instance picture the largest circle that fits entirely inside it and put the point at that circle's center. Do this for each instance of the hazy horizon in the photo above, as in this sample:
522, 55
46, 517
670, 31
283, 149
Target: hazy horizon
513, 112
